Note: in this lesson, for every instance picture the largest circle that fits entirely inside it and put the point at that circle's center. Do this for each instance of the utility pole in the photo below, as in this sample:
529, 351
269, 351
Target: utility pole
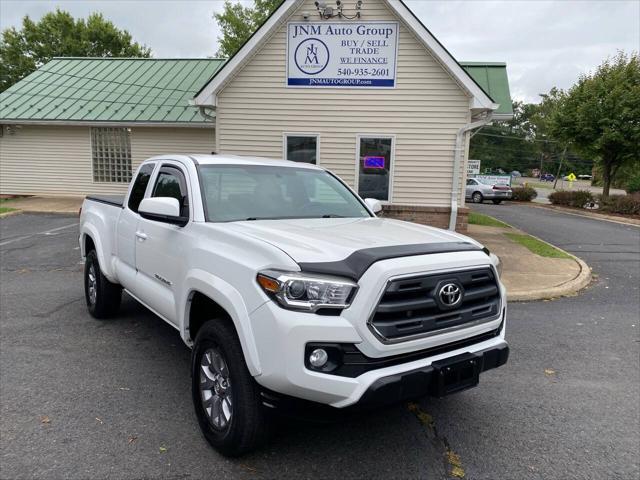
541, 159
560, 167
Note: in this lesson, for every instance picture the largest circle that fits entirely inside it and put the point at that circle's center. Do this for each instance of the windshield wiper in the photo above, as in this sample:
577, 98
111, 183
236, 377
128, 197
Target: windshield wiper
333, 215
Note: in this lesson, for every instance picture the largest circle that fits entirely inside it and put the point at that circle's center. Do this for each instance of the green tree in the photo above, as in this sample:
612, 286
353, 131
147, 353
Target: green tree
600, 116
58, 34
507, 145
238, 23
526, 142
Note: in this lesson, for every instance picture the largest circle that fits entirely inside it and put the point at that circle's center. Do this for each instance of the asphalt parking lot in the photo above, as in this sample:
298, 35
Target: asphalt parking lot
82, 398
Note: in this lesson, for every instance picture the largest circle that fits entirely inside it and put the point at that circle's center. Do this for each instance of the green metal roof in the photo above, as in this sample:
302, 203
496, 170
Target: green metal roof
148, 90
131, 90
492, 78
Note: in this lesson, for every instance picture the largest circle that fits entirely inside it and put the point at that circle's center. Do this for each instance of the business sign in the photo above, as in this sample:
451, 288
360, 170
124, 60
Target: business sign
373, 162
494, 179
351, 55
473, 167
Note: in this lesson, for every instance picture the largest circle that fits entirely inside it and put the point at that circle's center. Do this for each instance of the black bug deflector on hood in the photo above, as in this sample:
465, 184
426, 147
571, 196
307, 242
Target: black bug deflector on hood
358, 262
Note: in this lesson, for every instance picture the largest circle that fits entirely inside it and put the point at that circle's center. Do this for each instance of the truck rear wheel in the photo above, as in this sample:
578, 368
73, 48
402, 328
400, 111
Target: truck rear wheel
103, 297
226, 398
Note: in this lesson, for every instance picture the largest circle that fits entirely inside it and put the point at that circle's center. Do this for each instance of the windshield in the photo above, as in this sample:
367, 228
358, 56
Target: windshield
256, 192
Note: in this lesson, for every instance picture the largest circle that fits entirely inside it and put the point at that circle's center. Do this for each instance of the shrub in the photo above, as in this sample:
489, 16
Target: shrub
571, 198
622, 204
633, 185
524, 194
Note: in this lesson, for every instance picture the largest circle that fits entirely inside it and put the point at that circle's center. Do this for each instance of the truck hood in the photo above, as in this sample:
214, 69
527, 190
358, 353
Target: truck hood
333, 239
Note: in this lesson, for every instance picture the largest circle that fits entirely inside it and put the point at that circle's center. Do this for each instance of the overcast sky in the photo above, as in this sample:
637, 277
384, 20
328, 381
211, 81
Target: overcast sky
545, 43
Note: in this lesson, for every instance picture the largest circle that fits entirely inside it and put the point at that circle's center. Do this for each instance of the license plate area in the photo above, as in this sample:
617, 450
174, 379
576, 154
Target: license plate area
455, 374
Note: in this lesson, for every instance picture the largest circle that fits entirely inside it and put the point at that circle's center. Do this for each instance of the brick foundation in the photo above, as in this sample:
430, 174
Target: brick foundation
434, 216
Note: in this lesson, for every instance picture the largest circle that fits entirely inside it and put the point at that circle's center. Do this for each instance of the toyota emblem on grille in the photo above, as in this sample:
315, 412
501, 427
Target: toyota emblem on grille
450, 295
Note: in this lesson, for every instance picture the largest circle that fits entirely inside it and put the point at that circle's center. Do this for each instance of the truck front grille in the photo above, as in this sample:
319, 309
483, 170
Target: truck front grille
412, 306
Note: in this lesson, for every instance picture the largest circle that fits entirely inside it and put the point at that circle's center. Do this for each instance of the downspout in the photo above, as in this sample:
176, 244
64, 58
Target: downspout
457, 158
203, 112
202, 109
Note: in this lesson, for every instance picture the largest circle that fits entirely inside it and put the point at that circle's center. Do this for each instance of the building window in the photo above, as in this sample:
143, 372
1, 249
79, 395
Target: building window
111, 151
375, 155
301, 148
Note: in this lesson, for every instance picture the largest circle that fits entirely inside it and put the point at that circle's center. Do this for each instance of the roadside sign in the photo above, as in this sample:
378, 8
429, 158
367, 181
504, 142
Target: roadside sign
494, 179
473, 167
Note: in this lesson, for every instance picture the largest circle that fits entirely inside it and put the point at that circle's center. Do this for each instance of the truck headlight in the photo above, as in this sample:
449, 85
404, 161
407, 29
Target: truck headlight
307, 292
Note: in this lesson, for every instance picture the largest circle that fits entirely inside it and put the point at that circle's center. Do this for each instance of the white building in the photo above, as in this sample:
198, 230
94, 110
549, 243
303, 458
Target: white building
366, 92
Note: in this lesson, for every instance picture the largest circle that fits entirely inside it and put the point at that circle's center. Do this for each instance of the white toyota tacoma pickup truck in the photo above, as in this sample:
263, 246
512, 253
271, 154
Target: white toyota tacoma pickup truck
290, 290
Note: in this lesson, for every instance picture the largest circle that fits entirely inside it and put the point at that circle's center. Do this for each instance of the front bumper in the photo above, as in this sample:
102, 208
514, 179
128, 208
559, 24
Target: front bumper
424, 381
388, 390
282, 354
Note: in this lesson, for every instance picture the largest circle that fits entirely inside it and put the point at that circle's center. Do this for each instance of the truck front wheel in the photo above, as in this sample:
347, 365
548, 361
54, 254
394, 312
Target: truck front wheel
225, 395
103, 297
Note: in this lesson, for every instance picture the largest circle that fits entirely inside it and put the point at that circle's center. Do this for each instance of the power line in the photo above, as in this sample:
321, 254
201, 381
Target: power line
88, 100
515, 138
115, 82
84, 99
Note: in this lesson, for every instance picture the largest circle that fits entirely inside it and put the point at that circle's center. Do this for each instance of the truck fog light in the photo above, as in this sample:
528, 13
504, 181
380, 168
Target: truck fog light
318, 358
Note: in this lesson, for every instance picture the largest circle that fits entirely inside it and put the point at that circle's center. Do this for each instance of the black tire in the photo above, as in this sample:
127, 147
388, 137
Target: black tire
477, 197
247, 426
108, 296
497, 202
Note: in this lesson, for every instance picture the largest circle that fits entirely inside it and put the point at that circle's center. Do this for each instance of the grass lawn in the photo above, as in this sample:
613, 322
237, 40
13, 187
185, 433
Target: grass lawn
480, 219
536, 246
4, 209
547, 185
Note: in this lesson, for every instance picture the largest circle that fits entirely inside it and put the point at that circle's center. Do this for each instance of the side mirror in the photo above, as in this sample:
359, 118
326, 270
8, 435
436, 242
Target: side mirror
162, 209
374, 205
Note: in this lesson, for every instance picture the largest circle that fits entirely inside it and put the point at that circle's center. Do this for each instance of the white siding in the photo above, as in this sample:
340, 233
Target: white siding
147, 142
46, 160
424, 112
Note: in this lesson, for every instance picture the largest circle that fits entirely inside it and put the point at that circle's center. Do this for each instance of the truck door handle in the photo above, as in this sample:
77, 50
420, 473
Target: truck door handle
142, 236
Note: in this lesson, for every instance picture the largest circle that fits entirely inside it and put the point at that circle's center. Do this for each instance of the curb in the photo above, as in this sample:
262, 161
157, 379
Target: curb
36, 210
594, 215
10, 214
563, 290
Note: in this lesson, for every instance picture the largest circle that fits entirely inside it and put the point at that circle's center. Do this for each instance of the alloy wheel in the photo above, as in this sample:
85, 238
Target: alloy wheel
215, 389
92, 285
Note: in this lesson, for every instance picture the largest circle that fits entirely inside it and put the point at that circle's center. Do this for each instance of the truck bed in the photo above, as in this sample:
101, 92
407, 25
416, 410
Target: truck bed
113, 200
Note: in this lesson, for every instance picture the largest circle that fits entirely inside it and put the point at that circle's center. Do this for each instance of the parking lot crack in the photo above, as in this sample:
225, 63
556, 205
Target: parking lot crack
56, 309
452, 463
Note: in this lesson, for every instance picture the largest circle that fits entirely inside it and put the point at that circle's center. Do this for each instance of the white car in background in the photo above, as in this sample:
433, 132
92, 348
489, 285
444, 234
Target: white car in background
478, 191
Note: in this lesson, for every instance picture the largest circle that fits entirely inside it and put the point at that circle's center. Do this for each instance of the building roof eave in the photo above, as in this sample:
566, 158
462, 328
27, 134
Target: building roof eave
206, 96
84, 123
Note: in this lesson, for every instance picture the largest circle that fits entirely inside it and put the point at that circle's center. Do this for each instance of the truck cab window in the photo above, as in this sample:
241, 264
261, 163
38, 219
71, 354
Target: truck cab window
140, 186
171, 183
